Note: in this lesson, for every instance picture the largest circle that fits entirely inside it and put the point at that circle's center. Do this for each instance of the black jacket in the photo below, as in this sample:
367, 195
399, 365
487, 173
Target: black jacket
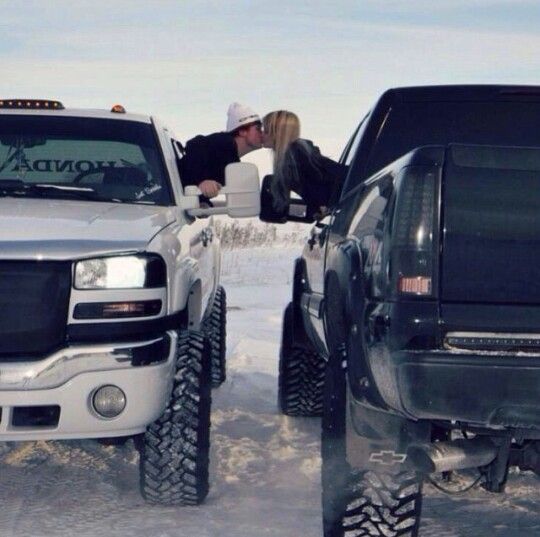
206, 158
314, 177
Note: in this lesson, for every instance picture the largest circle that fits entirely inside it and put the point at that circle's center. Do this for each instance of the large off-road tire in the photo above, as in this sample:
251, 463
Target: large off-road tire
301, 375
355, 501
215, 328
175, 448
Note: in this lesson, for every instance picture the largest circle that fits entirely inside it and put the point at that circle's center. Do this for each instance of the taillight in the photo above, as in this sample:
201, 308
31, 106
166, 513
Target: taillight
414, 265
418, 285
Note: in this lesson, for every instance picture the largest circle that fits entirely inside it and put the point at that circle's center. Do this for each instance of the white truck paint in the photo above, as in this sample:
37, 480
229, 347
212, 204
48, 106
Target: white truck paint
43, 229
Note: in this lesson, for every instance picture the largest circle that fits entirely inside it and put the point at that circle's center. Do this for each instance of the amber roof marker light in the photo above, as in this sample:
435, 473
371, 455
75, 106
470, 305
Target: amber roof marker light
118, 109
30, 104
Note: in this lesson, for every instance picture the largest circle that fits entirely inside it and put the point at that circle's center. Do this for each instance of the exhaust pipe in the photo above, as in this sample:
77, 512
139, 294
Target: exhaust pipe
453, 455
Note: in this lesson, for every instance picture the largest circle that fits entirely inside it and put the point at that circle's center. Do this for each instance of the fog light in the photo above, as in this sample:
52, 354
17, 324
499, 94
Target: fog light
109, 401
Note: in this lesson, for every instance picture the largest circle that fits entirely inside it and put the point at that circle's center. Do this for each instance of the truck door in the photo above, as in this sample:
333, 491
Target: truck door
199, 234
204, 250
314, 254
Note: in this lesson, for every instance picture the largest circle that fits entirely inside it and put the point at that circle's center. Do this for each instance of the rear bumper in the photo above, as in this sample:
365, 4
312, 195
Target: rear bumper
68, 379
487, 389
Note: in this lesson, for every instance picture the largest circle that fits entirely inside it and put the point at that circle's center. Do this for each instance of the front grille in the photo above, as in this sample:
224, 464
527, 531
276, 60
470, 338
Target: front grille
34, 299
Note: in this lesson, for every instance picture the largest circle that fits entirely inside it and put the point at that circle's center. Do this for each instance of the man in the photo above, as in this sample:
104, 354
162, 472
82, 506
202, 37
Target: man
207, 156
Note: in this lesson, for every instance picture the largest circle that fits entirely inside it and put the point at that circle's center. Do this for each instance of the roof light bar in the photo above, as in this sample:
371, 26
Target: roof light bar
31, 104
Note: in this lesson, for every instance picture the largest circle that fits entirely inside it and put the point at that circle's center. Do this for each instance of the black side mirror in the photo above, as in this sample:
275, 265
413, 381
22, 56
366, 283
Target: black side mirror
297, 210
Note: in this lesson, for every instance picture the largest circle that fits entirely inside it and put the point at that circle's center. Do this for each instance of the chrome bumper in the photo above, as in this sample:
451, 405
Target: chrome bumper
69, 377
63, 365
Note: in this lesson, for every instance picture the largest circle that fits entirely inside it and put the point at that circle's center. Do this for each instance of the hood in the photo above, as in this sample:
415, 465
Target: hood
60, 229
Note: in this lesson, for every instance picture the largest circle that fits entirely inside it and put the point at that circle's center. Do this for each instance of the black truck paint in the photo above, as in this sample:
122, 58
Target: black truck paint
424, 282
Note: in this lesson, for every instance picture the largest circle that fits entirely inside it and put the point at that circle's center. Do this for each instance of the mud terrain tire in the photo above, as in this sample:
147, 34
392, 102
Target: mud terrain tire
175, 448
355, 501
301, 375
215, 327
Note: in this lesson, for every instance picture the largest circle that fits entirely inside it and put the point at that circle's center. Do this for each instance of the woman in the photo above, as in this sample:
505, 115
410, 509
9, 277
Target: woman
299, 166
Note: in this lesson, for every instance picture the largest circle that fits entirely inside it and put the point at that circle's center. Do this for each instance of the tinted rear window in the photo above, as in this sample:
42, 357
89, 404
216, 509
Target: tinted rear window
411, 125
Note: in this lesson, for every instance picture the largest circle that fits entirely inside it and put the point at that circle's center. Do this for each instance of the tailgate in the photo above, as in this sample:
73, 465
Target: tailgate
491, 225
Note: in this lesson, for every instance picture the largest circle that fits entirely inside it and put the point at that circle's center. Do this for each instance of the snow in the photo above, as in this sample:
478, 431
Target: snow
265, 469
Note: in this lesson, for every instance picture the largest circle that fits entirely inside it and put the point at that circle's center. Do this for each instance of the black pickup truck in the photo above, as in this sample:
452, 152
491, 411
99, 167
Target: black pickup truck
414, 328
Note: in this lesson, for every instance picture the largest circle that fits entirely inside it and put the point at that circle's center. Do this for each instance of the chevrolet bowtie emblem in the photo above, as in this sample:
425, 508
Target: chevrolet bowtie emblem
387, 458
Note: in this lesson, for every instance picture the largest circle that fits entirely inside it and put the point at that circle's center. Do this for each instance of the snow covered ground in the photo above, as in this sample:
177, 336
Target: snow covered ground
265, 467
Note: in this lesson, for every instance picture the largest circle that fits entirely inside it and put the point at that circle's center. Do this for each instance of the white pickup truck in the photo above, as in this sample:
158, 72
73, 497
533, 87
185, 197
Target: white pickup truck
112, 319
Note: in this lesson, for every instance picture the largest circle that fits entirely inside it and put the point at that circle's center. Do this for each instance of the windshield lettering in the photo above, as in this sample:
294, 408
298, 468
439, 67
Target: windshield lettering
69, 166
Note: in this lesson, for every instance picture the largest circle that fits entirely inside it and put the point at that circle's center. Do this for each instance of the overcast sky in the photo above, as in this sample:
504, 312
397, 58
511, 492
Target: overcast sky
186, 60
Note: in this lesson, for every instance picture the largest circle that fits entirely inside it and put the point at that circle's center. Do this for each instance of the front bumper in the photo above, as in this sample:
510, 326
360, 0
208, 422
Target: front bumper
68, 378
495, 390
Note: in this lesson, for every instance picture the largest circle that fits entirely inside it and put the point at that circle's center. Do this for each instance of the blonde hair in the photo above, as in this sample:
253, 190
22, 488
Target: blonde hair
283, 128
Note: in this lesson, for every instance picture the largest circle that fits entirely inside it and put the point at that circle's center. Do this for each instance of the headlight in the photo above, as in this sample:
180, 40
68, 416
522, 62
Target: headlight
121, 272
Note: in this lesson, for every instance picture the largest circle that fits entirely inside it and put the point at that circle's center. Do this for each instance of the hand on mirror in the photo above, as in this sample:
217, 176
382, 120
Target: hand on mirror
209, 188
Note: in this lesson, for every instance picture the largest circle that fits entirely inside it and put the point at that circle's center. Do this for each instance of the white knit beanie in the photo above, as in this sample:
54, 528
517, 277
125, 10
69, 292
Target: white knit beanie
239, 115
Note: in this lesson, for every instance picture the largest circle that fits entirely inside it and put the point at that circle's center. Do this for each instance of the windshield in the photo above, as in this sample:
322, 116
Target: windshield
113, 160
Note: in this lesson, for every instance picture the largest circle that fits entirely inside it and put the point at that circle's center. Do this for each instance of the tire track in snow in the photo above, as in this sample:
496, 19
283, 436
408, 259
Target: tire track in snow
59, 488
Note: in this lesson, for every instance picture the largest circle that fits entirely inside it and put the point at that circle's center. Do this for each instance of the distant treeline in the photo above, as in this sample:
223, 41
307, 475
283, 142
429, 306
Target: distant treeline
235, 235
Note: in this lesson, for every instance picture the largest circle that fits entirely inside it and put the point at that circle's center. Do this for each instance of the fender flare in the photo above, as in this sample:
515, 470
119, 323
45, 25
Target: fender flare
343, 287
194, 306
300, 337
345, 317
299, 281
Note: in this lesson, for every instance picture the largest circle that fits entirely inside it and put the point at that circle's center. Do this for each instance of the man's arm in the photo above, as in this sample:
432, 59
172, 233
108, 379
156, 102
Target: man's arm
195, 167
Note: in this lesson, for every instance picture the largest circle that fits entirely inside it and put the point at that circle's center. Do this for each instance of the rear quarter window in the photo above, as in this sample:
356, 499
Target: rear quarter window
414, 124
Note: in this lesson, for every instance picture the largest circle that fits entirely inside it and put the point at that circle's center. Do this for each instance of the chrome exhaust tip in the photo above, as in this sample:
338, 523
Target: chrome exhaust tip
452, 455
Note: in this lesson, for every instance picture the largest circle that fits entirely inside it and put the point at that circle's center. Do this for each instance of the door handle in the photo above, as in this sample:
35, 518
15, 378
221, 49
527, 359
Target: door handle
317, 236
312, 239
323, 233
207, 236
